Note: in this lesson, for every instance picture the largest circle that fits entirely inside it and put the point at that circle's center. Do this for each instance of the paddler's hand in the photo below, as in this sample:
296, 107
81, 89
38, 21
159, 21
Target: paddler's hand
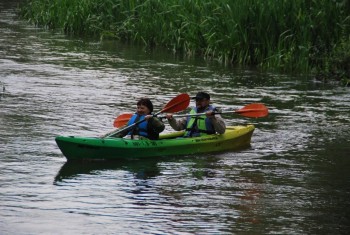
210, 114
169, 116
148, 117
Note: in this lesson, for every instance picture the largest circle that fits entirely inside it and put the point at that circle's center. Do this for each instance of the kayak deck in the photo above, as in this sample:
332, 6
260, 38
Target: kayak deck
94, 148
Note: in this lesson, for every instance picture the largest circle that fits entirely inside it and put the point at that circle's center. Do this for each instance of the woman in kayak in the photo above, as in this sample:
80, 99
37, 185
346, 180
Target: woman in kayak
150, 128
206, 124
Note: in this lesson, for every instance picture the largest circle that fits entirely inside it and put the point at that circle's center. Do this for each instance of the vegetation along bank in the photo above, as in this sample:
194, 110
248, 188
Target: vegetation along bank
295, 36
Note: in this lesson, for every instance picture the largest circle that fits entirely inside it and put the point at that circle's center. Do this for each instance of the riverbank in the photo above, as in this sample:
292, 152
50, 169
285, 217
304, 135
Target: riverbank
299, 36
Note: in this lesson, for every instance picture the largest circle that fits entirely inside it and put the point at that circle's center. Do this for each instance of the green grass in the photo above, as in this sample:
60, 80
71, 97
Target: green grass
272, 34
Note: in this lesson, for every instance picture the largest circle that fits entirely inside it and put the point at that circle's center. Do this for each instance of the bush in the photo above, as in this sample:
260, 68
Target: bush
286, 35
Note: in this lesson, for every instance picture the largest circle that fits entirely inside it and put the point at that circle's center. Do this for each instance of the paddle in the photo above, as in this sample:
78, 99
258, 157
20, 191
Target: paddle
251, 110
256, 110
177, 104
122, 119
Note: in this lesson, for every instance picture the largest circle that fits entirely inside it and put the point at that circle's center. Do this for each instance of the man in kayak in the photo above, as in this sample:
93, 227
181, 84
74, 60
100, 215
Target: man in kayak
150, 128
206, 124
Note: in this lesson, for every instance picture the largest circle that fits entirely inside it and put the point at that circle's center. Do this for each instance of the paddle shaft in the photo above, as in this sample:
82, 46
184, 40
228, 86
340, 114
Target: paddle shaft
223, 112
136, 123
256, 110
129, 127
132, 125
177, 104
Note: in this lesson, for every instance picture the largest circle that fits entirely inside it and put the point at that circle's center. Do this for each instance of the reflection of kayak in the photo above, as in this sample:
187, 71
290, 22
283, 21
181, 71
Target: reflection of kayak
93, 148
140, 168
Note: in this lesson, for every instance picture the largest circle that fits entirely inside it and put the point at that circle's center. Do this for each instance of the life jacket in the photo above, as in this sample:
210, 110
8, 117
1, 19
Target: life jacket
141, 129
199, 125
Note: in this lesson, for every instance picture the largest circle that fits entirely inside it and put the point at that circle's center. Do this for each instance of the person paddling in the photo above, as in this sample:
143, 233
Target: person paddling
150, 128
206, 124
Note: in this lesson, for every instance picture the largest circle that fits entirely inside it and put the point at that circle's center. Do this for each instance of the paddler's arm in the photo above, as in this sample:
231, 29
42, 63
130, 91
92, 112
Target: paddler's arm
217, 121
156, 124
177, 125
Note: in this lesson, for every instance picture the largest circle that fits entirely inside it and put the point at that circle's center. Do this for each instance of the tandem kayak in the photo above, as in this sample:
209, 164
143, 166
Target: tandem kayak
95, 148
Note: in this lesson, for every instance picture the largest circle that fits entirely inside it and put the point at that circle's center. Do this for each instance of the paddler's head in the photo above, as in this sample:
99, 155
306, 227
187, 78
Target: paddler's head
144, 106
202, 100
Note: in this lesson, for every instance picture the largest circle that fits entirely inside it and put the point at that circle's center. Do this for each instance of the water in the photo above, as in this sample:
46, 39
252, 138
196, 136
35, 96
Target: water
294, 179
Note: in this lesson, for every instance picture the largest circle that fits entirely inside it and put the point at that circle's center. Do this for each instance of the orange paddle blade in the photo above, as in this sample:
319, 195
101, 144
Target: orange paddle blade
177, 104
122, 120
253, 110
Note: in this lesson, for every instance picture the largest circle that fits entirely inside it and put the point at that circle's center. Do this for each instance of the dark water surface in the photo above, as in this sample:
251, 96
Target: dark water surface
294, 179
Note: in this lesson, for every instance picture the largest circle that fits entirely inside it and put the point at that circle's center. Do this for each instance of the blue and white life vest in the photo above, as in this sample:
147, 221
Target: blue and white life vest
143, 128
139, 129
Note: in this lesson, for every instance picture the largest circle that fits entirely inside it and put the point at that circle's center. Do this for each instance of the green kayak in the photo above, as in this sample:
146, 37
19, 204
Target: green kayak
94, 148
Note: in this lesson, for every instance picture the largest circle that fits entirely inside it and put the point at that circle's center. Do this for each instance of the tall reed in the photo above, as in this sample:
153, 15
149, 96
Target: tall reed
283, 34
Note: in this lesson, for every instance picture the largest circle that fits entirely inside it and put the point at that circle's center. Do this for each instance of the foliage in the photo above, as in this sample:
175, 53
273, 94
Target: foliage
284, 34
337, 64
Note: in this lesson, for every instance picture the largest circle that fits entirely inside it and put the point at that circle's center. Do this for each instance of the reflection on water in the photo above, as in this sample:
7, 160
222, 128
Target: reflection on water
293, 179
141, 169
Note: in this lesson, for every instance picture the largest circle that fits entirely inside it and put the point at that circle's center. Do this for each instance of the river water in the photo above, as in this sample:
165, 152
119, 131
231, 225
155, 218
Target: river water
293, 179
